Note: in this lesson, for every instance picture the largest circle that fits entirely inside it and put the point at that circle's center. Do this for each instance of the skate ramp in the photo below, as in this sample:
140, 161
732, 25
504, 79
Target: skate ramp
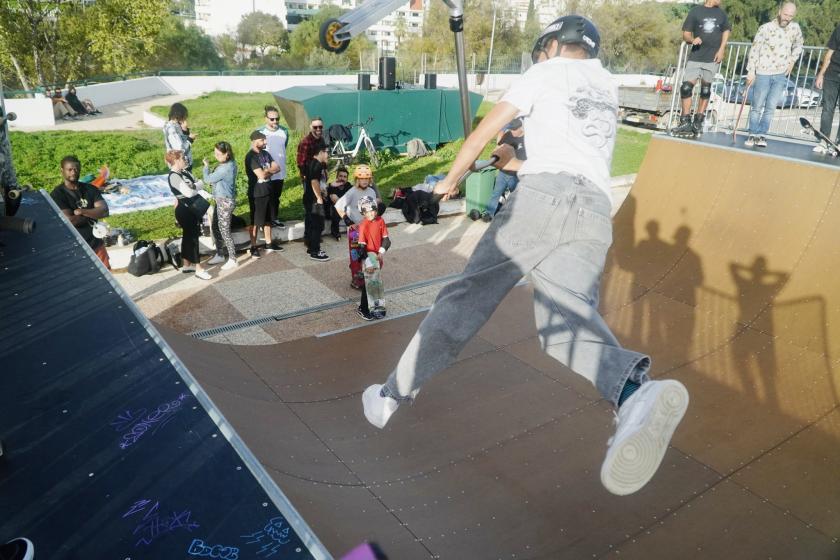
723, 269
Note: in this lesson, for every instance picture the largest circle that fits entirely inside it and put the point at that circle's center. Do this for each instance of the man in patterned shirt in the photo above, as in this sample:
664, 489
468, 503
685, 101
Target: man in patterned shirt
775, 50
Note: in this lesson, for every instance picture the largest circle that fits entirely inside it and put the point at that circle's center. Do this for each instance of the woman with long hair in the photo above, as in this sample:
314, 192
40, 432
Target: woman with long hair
177, 135
223, 179
183, 186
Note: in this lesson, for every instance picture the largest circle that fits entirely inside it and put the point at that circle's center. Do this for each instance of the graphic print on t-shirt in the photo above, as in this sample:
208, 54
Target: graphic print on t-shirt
709, 24
597, 110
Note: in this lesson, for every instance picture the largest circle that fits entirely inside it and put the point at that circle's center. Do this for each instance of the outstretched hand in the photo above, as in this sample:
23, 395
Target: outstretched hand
447, 189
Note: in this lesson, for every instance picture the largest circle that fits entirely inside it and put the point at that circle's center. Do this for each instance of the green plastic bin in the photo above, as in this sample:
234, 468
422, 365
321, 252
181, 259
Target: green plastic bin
479, 189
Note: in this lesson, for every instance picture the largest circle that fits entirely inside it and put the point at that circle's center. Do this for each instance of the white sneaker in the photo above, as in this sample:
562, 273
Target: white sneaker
230, 265
645, 423
378, 409
750, 141
203, 275
217, 259
821, 148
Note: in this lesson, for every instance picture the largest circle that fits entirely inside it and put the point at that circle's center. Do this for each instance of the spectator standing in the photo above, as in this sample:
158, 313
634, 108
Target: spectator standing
188, 192
335, 191
706, 29
506, 180
223, 179
82, 106
775, 50
259, 167
314, 177
311, 143
177, 135
557, 228
373, 242
347, 207
828, 80
82, 204
277, 139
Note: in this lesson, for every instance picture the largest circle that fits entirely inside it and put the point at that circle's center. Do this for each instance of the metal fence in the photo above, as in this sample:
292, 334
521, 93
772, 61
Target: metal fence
729, 90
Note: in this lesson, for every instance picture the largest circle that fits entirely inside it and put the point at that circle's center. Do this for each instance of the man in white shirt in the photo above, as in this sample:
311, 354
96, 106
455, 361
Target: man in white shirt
775, 50
556, 227
276, 139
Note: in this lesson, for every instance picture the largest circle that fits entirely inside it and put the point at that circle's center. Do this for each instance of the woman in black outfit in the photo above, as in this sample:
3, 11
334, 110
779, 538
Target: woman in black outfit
81, 106
183, 186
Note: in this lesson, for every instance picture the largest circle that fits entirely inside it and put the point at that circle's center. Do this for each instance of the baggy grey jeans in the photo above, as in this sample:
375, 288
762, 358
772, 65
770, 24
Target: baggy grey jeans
558, 228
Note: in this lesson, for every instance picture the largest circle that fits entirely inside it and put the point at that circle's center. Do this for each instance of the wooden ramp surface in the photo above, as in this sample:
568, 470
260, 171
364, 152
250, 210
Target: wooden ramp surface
724, 269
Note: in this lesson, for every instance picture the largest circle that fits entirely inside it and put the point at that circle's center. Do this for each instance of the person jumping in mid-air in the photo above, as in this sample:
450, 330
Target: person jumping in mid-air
556, 227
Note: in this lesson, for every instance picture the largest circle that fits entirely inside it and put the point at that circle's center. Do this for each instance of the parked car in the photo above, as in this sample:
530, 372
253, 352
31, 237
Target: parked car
794, 96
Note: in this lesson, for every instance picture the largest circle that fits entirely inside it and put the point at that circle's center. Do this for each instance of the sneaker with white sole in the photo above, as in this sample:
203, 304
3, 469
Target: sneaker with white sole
645, 423
761, 142
319, 256
217, 259
750, 141
18, 549
203, 275
230, 265
821, 148
378, 409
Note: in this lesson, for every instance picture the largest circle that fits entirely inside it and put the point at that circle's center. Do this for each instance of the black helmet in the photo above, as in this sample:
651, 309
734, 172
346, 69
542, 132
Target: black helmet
569, 30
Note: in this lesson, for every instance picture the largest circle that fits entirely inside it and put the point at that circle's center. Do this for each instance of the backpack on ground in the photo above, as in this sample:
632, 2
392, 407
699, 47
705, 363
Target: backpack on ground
147, 258
420, 207
399, 197
416, 148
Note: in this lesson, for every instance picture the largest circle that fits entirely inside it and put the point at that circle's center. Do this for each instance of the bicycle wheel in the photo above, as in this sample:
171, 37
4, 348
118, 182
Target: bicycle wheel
374, 157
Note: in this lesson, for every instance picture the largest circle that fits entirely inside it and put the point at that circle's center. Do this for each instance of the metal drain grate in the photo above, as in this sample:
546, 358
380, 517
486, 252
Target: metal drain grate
207, 333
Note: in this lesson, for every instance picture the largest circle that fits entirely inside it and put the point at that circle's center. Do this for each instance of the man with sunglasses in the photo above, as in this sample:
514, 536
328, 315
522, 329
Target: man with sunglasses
276, 138
311, 144
557, 228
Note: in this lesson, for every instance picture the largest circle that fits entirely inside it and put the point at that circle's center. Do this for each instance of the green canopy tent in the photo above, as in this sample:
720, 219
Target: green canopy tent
397, 116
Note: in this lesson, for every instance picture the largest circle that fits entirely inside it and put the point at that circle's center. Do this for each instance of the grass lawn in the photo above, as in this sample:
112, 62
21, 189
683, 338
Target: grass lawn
231, 117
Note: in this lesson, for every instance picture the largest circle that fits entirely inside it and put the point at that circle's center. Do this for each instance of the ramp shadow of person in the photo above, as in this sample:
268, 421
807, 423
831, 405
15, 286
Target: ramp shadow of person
650, 263
757, 288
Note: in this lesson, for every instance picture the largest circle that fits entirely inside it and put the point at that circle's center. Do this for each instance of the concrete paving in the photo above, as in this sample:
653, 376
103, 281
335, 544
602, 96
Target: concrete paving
126, 116
286, 296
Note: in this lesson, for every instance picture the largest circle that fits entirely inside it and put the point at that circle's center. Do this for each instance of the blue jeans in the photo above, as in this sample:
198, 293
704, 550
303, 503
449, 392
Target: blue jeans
504, 181
556, 227
767, 92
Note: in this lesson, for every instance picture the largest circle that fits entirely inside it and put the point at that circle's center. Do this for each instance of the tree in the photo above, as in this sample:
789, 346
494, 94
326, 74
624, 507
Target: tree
637, 37
183, 47
228, 48
262, 31
122, 33
532, 25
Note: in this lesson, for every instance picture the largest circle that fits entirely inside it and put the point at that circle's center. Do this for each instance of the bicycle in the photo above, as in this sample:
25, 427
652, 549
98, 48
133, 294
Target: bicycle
340, 153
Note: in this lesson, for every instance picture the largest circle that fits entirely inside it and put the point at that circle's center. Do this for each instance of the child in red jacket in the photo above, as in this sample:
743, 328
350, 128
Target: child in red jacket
373, 242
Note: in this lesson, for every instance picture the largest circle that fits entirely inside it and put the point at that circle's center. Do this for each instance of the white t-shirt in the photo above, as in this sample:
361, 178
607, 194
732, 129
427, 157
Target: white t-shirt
571, 109
275, 143
349, 202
